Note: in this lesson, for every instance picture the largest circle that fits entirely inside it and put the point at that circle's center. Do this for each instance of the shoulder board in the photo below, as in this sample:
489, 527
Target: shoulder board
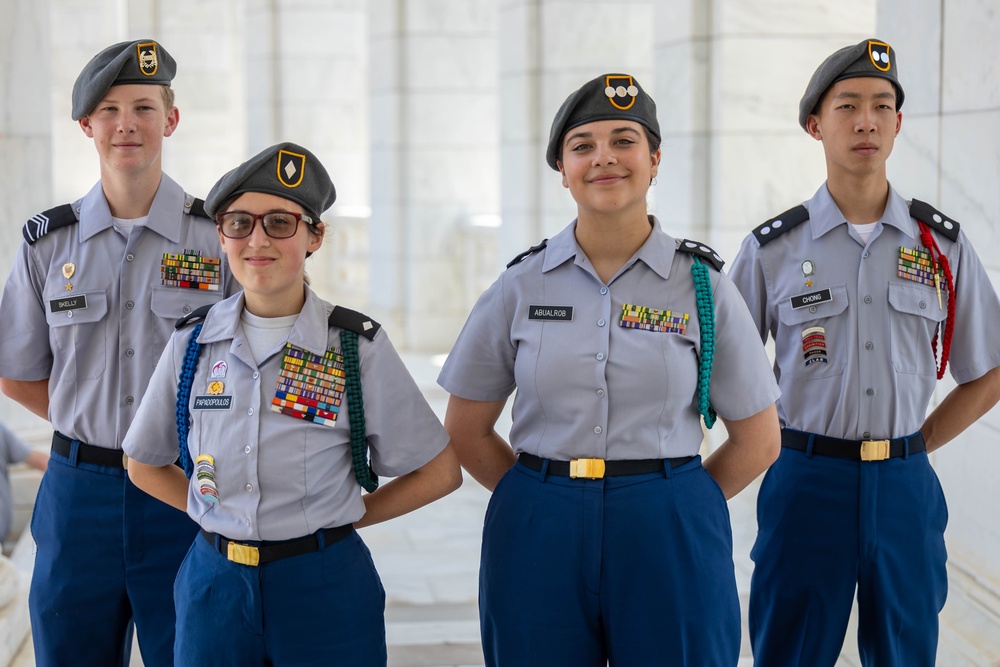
701, 250
39, 225
352, 320
778, 225
197, 208
534, 248
934, 219
195, 316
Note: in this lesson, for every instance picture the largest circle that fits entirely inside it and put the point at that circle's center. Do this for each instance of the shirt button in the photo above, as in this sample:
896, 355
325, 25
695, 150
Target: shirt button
256, 375
186, 309
130, 257
600, 356
869, 345
866, 434
129, 305
601, 322
247, 449
250, 412
249, 488
870, 391
129, 352
604, 290
812, 309
923, 304
868, 299
600, 392
69, 314
598, 430
248, 522
129, 400
865, 255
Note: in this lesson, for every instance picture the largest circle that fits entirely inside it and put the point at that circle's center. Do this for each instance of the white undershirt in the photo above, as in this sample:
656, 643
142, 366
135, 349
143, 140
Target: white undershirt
266, 335
124, 226
865, 231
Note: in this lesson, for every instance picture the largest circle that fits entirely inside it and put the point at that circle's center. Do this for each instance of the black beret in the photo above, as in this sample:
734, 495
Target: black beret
285, 170
608, 97
868, 58
142, 61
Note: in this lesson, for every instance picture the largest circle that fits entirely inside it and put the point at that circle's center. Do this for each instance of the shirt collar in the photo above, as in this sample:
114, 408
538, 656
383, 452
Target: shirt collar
164, 213
825, 215
657, 252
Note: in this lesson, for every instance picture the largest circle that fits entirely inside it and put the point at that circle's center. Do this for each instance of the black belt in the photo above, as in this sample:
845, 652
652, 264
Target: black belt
598, 468
101, 456
258, 553
856, 450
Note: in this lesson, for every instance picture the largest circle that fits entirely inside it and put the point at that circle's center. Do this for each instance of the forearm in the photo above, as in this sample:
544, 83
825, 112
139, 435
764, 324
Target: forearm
960, 409
753, 445
166, 483
32, 394
480, 448
434, 480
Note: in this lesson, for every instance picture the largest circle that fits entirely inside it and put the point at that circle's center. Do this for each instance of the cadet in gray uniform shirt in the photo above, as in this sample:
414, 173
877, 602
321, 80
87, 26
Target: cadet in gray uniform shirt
89, 304
288, 396
861, 291
607, 540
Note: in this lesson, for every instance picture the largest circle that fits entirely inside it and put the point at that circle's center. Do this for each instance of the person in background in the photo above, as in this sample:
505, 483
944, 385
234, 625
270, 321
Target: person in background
14, 450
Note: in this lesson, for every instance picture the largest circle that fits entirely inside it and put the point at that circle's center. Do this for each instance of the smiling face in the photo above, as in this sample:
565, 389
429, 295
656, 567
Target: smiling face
857, 122
128, 126
271, 271
607, 166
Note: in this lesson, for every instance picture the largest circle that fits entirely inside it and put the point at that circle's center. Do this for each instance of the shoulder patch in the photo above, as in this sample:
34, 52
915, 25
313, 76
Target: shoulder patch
39, 225
780, 224
701, 250
532, 249
197, 208
934, 219
352, 320
195, 316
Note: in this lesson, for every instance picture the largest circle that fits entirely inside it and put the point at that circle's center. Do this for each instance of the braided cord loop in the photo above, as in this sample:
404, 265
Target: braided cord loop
938, 257
356, 410
188, 368
706, 323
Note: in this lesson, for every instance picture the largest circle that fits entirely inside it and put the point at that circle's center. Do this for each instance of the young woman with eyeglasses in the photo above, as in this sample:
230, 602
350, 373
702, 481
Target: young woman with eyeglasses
286, 408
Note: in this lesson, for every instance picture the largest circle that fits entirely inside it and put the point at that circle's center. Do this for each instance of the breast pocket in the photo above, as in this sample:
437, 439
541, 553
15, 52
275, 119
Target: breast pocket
168, 304
80, 336
812, 339
913, 317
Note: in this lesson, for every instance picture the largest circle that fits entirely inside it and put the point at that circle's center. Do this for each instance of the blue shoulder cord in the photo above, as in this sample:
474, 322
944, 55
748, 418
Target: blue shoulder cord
355, 405
706, 323
188, 368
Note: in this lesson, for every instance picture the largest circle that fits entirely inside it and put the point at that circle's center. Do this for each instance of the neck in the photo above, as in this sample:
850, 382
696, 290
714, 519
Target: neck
610, 241
862, 199
130, 196
274, 306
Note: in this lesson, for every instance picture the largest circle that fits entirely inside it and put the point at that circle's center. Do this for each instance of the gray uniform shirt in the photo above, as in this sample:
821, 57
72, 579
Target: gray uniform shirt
12, 450
279, 477
870, 328
97, 334
587, 386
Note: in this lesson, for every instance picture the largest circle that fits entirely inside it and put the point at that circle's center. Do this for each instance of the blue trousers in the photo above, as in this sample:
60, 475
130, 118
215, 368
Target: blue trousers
107, 554
829, 527
635, 570
316, 609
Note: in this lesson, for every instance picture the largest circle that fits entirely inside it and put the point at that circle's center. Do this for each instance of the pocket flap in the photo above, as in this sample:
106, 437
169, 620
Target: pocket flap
917, 300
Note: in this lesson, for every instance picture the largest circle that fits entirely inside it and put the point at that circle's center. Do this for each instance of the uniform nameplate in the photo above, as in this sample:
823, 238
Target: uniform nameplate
77, 302
213, 402
811, 298
553, 313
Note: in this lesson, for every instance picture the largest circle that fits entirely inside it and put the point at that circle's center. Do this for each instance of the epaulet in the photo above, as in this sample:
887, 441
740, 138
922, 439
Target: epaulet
703, 251
934, 219
196, 315
780, 224
196, 207
534, 248
352, 320
39, 225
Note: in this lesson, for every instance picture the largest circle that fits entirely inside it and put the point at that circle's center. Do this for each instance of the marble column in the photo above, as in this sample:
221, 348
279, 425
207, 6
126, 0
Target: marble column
434, 159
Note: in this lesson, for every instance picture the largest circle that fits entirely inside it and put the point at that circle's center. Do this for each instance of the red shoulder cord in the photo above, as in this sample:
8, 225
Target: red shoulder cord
938, 257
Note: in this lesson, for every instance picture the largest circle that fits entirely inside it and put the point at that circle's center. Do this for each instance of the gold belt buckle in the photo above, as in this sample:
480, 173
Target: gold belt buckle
586, 468
124, 461
874, 450
244, 554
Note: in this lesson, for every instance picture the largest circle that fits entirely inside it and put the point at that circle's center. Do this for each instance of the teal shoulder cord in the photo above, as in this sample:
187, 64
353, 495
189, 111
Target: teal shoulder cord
183, 414
356, 410
706, 322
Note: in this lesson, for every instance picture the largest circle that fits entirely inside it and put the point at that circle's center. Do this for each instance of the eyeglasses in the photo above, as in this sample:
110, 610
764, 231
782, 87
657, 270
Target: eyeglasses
277, 225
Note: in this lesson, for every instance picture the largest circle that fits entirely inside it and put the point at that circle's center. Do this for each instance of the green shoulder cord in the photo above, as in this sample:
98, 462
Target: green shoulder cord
706, 323
356, 410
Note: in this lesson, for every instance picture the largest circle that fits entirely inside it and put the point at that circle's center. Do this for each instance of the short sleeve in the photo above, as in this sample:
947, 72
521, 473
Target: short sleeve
975, 347
747, 275
25, 353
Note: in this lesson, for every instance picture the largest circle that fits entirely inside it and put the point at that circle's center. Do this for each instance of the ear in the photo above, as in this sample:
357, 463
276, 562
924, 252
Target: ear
173, 118
899, 122
813, 128
86, 127
316, 240
655, 167
562, 171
